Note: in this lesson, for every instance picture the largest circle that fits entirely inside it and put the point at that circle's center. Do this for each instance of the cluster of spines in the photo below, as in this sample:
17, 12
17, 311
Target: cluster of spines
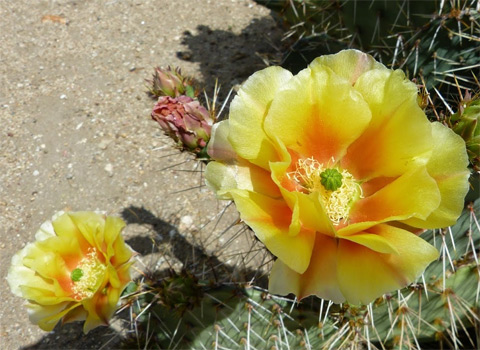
441, 309
435, 40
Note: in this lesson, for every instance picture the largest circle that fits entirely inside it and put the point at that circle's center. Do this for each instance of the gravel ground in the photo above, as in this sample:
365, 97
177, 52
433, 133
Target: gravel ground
76, 132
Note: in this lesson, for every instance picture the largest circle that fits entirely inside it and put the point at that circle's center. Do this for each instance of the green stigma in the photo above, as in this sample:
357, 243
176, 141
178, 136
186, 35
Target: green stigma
76, 275
331, 179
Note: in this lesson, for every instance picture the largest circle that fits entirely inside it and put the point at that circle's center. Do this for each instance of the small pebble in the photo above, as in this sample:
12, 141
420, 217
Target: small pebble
103, 145
109, 169
36, 173
185, 222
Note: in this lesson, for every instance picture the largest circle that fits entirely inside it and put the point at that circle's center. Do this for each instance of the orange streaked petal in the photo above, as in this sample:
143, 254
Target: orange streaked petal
271, 220
364, 274
376, 184
414, 193
317, 114
399, 136
319, 279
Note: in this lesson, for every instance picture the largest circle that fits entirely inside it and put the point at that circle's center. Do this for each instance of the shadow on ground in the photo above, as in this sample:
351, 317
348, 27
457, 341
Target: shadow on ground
194, 257
231, 57
70, 336
176, 307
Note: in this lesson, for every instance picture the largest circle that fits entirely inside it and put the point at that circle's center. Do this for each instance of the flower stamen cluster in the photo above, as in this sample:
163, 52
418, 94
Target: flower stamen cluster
310, 176
91, 272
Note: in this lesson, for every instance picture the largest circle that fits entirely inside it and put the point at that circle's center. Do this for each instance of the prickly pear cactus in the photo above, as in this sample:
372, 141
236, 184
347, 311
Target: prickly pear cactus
436, 40
439, 311
466, 123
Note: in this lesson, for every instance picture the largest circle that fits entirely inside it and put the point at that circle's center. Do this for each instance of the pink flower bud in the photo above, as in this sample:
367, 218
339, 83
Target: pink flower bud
185, 120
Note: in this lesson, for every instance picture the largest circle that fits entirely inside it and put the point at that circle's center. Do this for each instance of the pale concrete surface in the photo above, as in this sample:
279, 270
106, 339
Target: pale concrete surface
76, 132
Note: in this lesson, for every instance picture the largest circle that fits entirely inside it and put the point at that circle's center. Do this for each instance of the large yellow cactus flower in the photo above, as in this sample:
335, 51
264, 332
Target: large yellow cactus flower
75, 270
333, 169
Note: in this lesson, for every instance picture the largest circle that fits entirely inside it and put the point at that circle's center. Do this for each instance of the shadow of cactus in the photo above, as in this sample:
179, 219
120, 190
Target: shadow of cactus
165, 303
229, 57
70, 335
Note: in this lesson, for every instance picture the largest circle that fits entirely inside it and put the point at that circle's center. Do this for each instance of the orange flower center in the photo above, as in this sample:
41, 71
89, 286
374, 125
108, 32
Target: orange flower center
86, 276
310, 176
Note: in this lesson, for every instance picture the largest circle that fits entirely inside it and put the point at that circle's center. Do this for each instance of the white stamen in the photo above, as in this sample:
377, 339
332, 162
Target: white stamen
337, 203
92, 270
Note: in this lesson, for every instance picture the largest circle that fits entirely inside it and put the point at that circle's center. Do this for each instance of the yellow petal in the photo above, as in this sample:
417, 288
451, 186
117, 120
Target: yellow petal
241, 175
374, 242
317, 114
91, 225
319, 279
48, 296
385, 91
348, 64
65, 227
399, 136
123, 275
76, 314
48, 316
448, 166
113, 227
365, 274
414, 193
271, 220
47, 230
247, 113
219, 147
221, 178
19, 274
121, 253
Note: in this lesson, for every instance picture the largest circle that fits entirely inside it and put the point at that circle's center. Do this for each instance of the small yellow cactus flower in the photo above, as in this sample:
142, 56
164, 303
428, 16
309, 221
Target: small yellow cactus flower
75, 270
333, 169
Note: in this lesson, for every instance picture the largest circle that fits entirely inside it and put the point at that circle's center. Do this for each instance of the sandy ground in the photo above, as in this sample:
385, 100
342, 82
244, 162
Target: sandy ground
76, 132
